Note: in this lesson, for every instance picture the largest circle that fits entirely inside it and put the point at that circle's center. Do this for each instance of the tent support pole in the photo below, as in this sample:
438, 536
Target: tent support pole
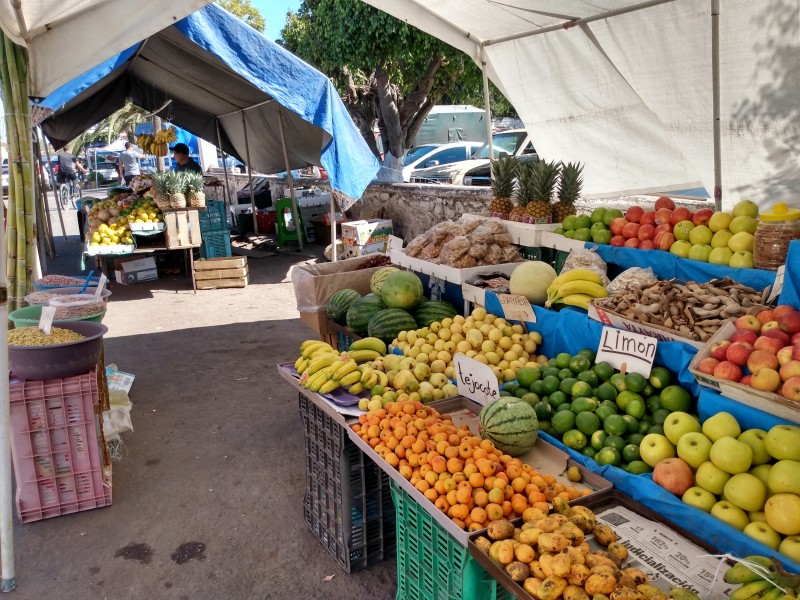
487, 105
45, 232
226, 201
55, 192
333, 228
300, 231
716, 102
250, 176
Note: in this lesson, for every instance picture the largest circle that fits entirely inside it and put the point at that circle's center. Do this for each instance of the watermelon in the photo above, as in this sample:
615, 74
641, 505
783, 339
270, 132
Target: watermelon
378, 277
433, 311
389, 322
339, 303
402, 289
361, 311
511, 424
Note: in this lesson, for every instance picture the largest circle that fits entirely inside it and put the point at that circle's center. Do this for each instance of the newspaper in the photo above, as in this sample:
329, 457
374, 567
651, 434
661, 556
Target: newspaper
668, 558
118, 380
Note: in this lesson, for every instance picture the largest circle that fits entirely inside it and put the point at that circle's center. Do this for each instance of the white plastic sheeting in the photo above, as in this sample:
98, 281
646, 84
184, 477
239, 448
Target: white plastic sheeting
631, 95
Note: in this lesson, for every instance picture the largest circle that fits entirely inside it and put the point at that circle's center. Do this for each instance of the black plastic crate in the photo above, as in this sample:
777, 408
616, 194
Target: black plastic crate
348, 504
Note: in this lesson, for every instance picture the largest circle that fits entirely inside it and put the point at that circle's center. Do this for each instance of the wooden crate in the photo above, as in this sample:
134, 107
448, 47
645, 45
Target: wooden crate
214, 284
183, 229
213, 264
216, 274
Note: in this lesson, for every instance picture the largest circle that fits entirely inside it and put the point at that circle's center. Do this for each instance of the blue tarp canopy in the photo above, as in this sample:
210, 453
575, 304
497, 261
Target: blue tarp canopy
212, 68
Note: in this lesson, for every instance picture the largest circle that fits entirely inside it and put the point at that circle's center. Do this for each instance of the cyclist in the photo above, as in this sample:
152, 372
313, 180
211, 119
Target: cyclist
68, 169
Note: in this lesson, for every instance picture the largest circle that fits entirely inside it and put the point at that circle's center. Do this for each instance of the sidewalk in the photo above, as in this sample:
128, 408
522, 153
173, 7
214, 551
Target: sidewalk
217, 457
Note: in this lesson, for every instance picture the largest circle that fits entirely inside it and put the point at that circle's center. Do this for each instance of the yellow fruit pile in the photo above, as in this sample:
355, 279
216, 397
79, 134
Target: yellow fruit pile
113, 233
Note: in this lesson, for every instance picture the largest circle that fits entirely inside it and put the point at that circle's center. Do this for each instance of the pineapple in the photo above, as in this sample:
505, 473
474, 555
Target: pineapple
175, 186
569, 190
543, 181
193, 189
504, 170
523, 196
160, 191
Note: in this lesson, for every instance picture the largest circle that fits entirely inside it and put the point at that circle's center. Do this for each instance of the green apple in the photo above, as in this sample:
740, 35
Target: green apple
757, 515
720, 425
790, 546
746, 208
743, 224
731, 455
720, 239
655, 448
700, 252
700, 235
699, 498
719, 221
763, 533
785, 477
682, 230
679, 423
710, 477
741, 242
681, 248
741, 260
730, 514
694, 448
720, 256
783, 513
745, 491
762, 472
756, 439
783, 442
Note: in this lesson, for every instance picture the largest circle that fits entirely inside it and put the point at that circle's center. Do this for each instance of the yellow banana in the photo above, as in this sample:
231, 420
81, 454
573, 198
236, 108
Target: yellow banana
315, 381
369, 343
308, 343
329, 387
345, 369
365, 376
578, 287
373, 379
302, 367
741, 573
297, 363
361, 356
320, 362
383, 380
579, 275
356, 389
752, 590
351, 378
313, 349
579, 300
773, 594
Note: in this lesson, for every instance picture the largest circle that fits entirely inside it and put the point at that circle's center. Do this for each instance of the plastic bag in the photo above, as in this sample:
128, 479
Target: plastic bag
635, 277
586, 259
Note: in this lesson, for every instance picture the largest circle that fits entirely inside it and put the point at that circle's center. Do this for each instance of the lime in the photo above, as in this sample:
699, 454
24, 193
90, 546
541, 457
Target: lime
565, 374
597, 215
587, 422
584, 234
603, 412
559, 231
565, 406
638, 467
589, 377
562, 421
511, 387
520, 392
543, 411
588, 353
504, 393
606, 391
527, 375
574, 439
674, 398
660, 378
551, 362
644, 426
579, 364
648, 391
615, 425
618, 381
635, 382
601, 236
653, 403
550, 371
569, 222
624, 397
584, 404
569, 233
599, 438
635, 438
566, 384
531, 399
537, 387
562, 360
611, 214
635, 408
604, 370
581, 389
630, 453
589, 451
660, 416
546, 427
377, 390
550, 384
557, 399
656, 429
633, 424
615, 441
608, 456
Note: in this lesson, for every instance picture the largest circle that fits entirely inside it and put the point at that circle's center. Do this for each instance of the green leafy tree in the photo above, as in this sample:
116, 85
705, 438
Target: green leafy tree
246, 12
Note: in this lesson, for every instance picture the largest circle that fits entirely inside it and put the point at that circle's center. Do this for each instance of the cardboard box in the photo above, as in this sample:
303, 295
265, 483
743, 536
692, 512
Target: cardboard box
354, 251
135, 270
663, 334
362, 233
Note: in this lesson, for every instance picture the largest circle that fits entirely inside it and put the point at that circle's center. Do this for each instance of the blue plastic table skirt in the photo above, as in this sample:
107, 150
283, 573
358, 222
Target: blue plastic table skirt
571, 330
791, 278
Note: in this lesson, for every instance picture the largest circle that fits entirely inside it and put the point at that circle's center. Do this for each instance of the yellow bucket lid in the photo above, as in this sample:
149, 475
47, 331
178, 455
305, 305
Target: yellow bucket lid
781, 212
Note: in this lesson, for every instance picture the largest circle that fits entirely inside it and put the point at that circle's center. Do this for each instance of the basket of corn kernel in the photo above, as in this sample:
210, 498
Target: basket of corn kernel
72, 348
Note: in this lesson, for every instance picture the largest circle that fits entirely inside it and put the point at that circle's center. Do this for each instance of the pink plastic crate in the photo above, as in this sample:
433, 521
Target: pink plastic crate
58, 462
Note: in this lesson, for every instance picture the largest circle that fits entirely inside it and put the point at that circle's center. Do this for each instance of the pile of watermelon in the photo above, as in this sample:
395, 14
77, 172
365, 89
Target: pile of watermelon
396, 303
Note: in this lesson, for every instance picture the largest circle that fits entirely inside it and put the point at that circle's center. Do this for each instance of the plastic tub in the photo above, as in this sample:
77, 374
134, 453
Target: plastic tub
62, 360
92, 283
31, 300
30, 315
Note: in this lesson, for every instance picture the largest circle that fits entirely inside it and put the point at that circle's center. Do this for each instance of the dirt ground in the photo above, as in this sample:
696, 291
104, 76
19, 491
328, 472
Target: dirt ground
207, 498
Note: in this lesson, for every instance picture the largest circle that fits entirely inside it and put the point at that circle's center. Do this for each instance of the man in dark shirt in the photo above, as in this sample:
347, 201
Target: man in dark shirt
184, 162
68, 167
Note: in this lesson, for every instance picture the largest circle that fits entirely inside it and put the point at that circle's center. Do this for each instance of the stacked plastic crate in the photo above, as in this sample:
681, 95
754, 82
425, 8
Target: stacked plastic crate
214, 227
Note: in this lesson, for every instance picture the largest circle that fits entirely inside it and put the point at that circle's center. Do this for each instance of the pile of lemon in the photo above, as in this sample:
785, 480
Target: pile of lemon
143, 211
112, 233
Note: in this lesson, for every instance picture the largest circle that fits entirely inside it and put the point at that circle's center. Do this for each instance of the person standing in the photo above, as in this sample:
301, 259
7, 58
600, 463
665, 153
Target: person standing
129, 163
184, 162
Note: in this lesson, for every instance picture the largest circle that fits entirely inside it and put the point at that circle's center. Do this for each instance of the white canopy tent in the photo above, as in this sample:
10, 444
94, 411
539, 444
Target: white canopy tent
627, 87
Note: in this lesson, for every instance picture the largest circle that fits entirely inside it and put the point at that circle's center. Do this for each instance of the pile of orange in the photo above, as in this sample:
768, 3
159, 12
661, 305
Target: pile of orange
466, 477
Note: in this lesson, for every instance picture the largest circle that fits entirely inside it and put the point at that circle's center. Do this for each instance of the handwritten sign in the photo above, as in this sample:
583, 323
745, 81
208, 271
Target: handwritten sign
777, 287
635, 351
46, 320
516, 308
475, 380
101, 285
394, 243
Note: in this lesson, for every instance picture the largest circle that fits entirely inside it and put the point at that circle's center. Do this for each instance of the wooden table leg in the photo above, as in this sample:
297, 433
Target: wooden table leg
191, 264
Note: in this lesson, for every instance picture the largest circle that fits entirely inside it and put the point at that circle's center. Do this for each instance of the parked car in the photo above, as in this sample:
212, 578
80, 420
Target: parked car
434, 155
476, 170
106, 172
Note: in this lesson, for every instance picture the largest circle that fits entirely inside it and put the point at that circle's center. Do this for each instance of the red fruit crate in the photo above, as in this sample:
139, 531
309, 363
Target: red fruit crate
56, 452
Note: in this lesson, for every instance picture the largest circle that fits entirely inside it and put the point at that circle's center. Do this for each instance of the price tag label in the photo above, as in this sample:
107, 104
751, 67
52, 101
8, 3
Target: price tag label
394, 243
634, 350
516, 308
777, 287
46, 320
101, 285
475, 380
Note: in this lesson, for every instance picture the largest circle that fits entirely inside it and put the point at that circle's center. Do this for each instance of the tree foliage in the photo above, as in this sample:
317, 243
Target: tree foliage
109, 129
245, 10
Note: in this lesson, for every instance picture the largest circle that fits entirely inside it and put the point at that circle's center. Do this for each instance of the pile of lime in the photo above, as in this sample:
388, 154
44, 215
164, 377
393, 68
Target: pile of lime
596, 410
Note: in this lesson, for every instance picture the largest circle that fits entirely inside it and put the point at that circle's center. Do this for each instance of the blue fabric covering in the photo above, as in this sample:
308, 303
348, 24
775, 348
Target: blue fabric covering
791, 279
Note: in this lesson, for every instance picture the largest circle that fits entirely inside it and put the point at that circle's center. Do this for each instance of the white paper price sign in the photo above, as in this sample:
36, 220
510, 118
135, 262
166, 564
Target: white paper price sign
516, 308
475, 380
101, 285
777, 287
46, 320
394, 243
634, 350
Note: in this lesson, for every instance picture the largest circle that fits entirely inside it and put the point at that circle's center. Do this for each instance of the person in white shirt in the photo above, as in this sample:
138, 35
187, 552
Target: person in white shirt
129, 163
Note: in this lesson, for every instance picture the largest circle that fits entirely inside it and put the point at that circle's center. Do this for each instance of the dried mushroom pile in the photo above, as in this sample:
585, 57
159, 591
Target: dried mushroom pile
468, 242
695, 310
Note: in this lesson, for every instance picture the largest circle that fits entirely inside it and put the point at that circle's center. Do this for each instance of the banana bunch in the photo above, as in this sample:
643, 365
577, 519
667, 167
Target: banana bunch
167, 135
323, 369
145, 142
575, 288
761, 578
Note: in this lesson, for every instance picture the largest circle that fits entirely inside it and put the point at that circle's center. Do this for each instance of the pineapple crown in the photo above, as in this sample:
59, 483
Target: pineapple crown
544, 178
569, 187
525, 192
504, 171
193, 182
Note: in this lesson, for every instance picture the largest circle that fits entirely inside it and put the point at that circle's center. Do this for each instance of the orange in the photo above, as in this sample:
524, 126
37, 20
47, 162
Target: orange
480, 497
464, 495
507, 508
432, 478
442, 504
478, 515
452, 497
519, 503
460, 511
405, 471
454, 465
451, 452
512, 470
454, 439
496, 496
476, 480
494, 512
518, 484
392, 459
464, 450
431, 494
422, 485
487, 445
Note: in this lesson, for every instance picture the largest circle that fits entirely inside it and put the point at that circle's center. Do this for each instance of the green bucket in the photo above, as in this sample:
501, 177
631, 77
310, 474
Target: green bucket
23, 317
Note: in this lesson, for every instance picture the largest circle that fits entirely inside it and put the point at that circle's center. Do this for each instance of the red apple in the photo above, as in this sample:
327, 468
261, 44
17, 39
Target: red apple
680, 214
790, 369
674, 475
648, 218
765, 316
795, 339
719, 349
728, 370
664, 202
796, 351
761, 359
702, 216
768, 344
634, 214
790, 322
791, 389
646, 232
783, 309
746, 380
766, 380
631, 230
617, 240
748, 322
663, 216
775, 333
744, 335
646, 245
663, 240
739, 352
632, 243
618, 224
784, 355
707, 365
665, 227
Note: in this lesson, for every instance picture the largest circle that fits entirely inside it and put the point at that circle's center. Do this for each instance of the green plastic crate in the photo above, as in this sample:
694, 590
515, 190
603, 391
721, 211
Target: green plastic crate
530, 253
431, 564
216, 244
213, 217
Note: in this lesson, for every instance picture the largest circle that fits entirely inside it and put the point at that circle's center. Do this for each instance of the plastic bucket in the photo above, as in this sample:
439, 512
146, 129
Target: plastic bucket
62, 360
30, 315
93, 282
62, 291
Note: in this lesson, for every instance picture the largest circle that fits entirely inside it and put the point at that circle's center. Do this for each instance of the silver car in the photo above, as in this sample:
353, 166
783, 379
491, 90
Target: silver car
434, 155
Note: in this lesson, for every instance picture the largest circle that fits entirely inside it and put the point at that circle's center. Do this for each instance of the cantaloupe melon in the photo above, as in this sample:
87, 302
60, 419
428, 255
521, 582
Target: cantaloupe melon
531, 279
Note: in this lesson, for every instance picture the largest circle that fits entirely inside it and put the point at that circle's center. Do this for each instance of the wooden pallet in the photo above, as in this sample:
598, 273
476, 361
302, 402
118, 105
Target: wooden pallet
214, 284
183, 229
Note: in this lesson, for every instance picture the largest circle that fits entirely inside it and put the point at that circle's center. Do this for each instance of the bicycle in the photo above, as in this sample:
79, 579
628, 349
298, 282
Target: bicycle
68, 193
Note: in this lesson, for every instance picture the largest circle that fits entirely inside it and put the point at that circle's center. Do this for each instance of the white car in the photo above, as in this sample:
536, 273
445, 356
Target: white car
433, 155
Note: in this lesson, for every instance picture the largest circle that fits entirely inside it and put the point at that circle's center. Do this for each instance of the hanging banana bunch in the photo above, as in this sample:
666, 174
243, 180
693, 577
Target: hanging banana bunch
145, 142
